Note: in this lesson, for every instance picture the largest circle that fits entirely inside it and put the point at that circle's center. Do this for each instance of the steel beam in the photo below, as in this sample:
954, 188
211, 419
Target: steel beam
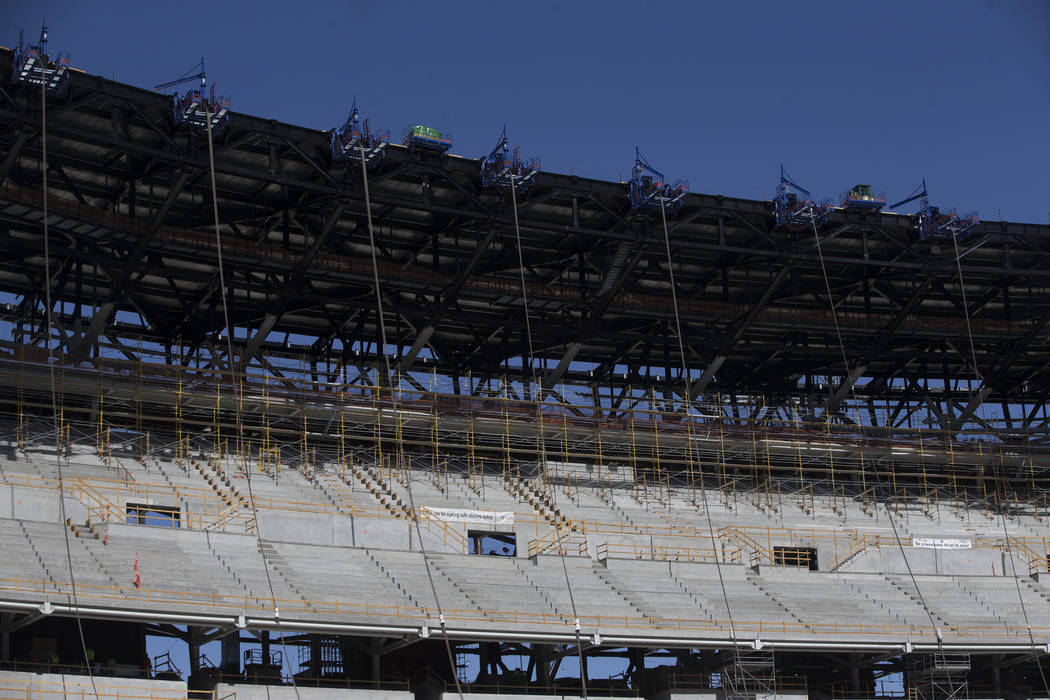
129, 265
716, 363
22, 137
878, 346
424, 335
294, 283
552, 378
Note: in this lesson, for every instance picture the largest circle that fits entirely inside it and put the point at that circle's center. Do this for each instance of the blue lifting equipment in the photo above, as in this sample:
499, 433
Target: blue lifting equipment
862, 197
503, 166
426, 138
33, 66
192, 107
357, 141
935, 223
648, 189
794, 205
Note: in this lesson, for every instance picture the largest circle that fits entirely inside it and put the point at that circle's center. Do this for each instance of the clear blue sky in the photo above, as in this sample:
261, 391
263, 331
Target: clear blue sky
721, 93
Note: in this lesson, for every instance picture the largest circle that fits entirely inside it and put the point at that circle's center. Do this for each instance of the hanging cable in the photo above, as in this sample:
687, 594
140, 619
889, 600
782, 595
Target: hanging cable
394, 407
982, 384
541, 443
238, 395
853, 394
72, 597
690, 446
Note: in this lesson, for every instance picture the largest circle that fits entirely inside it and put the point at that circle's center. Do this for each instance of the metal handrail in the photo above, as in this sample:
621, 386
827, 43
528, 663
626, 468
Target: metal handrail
232, 604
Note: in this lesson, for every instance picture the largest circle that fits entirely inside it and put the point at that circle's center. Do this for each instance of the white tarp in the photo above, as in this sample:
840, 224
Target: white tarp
937, 543
478, 517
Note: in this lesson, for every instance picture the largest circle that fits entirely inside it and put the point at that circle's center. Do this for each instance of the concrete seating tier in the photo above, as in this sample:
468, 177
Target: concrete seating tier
228, 572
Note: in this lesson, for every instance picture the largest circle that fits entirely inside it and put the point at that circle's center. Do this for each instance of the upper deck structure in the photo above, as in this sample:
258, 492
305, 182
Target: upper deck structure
856, 397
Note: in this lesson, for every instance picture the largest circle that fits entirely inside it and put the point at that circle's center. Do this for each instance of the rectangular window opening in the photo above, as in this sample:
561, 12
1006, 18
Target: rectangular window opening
154, 515
496, 544
799, 557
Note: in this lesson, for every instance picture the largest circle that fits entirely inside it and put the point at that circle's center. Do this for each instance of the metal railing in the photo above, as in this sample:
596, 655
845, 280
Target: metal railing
726, 555
238, 604
561, 542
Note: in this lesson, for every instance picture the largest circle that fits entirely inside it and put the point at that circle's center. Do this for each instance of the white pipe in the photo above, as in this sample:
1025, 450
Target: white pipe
346, 628
568, 637
146, 615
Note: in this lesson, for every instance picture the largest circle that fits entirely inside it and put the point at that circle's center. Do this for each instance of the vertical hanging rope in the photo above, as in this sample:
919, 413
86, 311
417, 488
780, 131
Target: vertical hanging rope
238, 397
72, 596
893, 524
1002, 513
394, 406
690, 446
542, 441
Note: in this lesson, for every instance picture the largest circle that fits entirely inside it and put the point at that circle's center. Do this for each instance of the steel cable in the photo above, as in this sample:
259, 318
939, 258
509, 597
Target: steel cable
982, 383
691, 447
394, 406
846, 378
542, 439
238, 388
72, 597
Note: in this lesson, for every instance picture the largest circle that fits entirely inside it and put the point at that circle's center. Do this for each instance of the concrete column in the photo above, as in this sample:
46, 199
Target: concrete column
264, 638
375, 657
231, 653
542, 654
193, 640
494, 659
5, 637
316, 661
483, 662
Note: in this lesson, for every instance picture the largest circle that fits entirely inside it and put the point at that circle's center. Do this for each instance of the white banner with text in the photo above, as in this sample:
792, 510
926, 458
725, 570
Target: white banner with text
937, 543
476, 517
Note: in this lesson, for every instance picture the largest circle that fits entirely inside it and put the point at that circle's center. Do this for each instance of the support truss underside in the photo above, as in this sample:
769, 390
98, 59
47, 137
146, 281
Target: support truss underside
134, 276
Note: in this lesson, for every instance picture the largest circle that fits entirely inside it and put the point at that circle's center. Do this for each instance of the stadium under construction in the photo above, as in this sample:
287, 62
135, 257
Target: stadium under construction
380, 420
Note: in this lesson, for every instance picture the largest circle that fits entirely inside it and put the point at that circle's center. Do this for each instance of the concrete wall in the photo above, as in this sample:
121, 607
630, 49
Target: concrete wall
309, 528
348, 531
162, 535
587, 472
721, 695
286, 692
32, 504
306, 528
973, 562
342, 531
506, 696
57, 686
710, 695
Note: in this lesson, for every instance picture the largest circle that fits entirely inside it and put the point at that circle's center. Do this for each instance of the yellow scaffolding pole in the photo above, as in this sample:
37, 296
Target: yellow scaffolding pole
217, 417
440, 470
634, 445
656, 468
180, 452
510, 468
